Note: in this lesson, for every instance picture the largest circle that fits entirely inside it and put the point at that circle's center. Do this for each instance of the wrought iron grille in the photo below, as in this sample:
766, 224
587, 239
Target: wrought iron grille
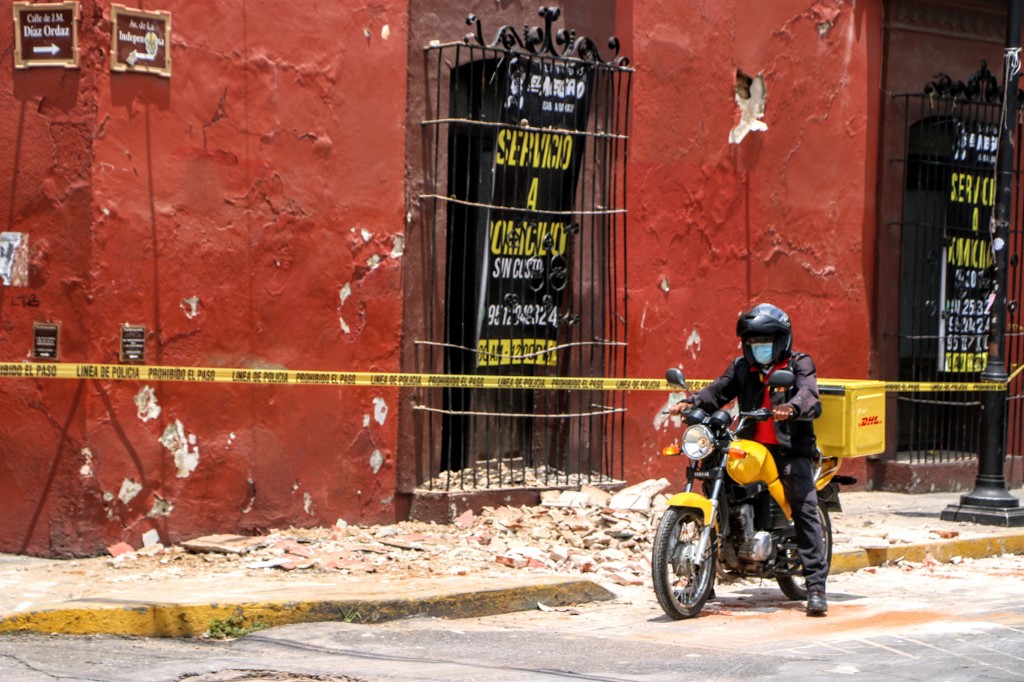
525, 204
949, 190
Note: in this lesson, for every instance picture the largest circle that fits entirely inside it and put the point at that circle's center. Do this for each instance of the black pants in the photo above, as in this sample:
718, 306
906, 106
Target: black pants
797, 475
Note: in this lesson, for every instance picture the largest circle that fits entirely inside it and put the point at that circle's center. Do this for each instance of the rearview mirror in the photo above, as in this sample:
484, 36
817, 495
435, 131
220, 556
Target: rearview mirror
782, 378
675, 376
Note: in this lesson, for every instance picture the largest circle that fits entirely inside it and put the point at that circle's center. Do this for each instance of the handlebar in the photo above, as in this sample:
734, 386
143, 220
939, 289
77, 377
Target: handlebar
760, 414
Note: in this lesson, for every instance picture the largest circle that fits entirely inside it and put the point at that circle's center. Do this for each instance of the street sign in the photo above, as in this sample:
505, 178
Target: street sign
140, 41
46, 35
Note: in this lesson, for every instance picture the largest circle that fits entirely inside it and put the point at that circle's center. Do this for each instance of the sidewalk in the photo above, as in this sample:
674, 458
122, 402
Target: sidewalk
164, 593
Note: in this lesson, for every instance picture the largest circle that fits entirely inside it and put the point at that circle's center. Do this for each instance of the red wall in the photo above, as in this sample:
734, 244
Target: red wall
786, 216
264, 182
250, 212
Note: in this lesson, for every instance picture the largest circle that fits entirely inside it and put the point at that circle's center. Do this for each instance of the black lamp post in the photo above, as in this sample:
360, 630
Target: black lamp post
990, 503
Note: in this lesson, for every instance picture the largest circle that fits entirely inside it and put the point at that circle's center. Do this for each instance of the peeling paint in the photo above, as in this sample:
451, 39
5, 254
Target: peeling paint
750, 94
380, 410
663, 418
129, 490
252, 496
86, 469
366, 421
366, 234
664, 284
376, 460
693, 343
385, 32
343, 295
373, 261
398, 248
385, 501
190, 306
145, 401
151, 538
161, 507
307, 504
14, 259
175, 440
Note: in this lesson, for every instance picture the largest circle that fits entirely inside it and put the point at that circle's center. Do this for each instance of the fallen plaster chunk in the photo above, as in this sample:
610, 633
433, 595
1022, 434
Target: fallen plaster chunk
224, 544
638, 497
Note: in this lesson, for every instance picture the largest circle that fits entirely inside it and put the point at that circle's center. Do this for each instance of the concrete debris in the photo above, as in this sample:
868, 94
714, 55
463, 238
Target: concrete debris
607, 537
224, 544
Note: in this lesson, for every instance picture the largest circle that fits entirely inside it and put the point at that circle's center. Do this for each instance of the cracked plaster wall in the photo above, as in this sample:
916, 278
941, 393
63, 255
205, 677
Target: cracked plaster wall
223, 209
787, 215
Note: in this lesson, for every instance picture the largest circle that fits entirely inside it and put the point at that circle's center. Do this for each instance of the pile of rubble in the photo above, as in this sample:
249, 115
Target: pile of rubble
588, 530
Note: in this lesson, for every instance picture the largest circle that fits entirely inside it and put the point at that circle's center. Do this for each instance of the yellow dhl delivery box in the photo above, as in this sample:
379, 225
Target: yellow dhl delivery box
852, 421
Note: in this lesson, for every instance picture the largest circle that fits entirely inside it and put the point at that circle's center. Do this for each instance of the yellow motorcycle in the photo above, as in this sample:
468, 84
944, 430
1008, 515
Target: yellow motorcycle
733, 514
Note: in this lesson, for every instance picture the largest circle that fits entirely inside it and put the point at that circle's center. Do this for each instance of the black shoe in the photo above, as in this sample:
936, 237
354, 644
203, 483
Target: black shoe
817, 605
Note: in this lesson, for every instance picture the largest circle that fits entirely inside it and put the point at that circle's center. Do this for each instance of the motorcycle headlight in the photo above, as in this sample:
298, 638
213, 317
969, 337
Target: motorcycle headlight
698, 441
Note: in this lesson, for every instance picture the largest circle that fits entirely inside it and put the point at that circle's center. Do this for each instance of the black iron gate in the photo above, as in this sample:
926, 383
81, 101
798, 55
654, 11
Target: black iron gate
946, 270
524, 199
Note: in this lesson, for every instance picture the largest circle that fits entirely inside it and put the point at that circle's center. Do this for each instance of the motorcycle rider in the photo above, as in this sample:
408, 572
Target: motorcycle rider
766, 335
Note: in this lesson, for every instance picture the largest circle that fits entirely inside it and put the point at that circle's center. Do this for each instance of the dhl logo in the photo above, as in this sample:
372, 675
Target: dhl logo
870, 420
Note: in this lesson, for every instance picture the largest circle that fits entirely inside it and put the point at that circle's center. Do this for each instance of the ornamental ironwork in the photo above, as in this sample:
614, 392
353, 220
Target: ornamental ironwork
546, 41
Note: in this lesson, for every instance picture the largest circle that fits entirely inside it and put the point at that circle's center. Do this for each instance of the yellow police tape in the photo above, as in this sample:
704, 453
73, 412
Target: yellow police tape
65, 370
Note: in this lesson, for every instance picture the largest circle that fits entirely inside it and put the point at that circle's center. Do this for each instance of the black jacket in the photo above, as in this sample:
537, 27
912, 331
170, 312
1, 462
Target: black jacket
796, 435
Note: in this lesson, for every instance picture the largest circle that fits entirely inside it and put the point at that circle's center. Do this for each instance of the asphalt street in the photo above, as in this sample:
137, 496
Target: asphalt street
953, 621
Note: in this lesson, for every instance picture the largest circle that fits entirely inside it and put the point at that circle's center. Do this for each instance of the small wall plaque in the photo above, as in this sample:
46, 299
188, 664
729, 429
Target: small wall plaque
133, 344
46, 341
140, 41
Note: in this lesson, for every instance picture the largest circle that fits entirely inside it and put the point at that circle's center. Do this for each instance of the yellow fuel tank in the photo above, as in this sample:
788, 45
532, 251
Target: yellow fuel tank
750, 462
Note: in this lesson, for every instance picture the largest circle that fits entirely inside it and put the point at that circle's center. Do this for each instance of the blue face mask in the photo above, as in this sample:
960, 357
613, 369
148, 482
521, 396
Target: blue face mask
762, 352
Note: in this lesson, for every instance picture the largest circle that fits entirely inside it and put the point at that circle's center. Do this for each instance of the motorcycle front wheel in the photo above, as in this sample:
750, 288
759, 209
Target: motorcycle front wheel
795, 586
682, 583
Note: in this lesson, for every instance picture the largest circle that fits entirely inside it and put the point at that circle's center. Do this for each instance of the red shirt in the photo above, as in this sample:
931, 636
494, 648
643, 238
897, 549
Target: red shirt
764, 432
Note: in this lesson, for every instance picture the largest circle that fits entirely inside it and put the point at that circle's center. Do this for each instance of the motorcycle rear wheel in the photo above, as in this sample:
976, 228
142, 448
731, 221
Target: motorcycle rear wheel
681, 584
795, 586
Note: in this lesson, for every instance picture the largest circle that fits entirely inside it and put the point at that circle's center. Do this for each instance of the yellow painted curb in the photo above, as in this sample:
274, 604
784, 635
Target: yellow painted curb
192, 620
940, 550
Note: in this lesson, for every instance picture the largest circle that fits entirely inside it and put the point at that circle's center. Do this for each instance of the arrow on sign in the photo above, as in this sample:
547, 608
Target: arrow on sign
139, 56
52, 49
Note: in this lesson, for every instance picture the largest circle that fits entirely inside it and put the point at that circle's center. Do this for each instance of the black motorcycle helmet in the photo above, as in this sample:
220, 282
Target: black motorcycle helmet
765, 319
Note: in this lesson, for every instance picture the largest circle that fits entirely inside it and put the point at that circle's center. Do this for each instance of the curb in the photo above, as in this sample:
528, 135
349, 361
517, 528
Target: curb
146, 618
161, 619
945, 550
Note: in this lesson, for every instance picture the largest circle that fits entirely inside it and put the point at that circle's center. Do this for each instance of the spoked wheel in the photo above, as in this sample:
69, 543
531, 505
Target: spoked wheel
681, 582
795, 586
